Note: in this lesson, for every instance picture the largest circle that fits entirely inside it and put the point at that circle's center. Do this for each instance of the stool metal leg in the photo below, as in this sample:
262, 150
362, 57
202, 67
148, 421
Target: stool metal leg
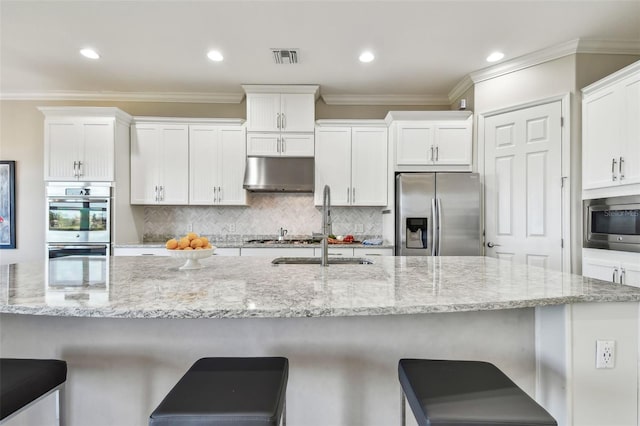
403, 414
60, 404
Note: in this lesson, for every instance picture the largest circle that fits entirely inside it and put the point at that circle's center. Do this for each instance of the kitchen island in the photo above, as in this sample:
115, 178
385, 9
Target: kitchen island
343, 328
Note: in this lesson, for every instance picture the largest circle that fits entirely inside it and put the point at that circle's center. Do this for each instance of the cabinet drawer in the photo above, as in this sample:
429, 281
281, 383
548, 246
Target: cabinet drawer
365, 251
277, 252
140, 251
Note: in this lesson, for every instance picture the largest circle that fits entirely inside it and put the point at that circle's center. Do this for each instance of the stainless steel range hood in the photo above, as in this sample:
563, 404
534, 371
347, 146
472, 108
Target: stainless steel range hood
279, 174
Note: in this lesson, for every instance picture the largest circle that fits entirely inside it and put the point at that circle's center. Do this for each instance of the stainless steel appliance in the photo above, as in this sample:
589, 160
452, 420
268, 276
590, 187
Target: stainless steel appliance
612, 223
279, 174
78, 213
438, 214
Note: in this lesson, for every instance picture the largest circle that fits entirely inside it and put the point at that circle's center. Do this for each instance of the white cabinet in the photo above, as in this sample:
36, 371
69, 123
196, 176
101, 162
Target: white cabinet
159, 163
352, 160
356, 251
216, 165
432, 140
80, 143
611, 132
280, 120
277, 144
609, 265
280, 112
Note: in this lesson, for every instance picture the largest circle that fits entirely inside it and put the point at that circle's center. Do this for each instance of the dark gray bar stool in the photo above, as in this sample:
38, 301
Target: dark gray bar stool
227, 392
24, 382
466, 393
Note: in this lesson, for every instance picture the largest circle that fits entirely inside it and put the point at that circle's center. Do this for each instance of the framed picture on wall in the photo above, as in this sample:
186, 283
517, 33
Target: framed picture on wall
7, 204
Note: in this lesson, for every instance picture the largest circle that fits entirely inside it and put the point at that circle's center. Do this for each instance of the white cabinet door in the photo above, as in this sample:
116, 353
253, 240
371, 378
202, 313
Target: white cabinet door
372, 251
414, 143
263, 112
629, 168
144, 164
333, 164
61, 150
232, 161
600, 140
204, 164
140, 251
601, 269
453, 144
297, 112
263, 144
630, 273
174, 164
369, 166
296, 145
97, 151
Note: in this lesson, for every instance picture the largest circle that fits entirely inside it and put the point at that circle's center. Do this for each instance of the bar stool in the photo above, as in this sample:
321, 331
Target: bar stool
456, 393
227, 392
24, 382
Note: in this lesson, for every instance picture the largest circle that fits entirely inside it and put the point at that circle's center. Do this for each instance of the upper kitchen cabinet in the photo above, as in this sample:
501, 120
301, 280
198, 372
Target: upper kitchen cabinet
217, 160
432, 140
611, 135
280, 120
159, 163
80, 143
351, 157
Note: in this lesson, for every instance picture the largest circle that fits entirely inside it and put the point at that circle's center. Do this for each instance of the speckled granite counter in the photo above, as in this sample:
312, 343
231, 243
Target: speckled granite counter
241, 244
240, 287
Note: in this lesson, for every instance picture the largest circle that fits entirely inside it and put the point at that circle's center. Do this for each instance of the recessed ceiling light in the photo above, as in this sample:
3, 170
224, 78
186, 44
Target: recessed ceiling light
495, 56
89, 53
215, 55
366, 56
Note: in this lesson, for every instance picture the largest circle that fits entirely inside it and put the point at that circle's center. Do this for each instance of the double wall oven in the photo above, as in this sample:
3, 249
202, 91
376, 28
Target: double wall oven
78, 219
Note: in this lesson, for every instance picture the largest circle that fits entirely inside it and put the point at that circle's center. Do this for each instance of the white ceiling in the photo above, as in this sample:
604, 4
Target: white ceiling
423, 48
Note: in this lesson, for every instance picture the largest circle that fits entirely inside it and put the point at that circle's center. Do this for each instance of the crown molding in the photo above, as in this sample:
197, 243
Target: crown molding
71, 111
427, 115
385, 100
611, 47
458, 90
189, 120
356, 122
205, 98
282, 88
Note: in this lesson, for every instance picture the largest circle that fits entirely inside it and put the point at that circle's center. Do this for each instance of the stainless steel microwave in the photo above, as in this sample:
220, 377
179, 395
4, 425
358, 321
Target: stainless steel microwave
612, 223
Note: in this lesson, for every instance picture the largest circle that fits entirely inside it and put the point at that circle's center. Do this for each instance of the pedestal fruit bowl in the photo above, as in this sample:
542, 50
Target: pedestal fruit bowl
190, 247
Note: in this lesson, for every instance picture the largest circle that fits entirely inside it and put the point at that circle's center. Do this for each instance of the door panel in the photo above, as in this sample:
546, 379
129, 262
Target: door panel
523, 200
369, 166
415, 197
333, 164
459, 210
203, 164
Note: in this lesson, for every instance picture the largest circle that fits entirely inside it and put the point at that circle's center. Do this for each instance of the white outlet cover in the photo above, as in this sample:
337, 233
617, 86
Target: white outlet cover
605, 353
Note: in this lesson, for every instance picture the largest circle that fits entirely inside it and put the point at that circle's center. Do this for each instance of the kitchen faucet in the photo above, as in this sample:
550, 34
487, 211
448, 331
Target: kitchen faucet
281, 233
326, 224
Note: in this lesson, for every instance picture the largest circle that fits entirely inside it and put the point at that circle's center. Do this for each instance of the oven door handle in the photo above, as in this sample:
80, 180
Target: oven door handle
66, 246
76, 200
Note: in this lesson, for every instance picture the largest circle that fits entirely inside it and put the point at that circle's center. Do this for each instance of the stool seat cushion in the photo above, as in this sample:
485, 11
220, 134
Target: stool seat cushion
226, 392
466, 393
22, 381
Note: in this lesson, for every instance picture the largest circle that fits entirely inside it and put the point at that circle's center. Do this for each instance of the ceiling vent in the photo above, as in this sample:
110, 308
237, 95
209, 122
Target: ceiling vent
285, 56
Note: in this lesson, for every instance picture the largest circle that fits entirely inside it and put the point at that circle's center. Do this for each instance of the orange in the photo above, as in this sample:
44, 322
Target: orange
192, 235
172, 244
187, 248
184, 242
196, 242
205, 241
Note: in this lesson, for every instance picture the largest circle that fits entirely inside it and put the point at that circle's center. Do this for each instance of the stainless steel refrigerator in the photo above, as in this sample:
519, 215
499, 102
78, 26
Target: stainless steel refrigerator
438, 214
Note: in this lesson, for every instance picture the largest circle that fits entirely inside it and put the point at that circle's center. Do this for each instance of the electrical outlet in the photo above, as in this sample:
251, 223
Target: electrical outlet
359, 227
232, 227
605, 353
190, 227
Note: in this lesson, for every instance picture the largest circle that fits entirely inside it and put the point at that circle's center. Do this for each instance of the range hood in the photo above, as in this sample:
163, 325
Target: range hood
279, 174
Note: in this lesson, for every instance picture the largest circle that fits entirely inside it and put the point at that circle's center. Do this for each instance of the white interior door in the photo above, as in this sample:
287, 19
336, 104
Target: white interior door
523, 186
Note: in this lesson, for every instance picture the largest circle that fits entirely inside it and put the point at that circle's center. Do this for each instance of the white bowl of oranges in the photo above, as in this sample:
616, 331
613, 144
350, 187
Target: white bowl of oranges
191, 247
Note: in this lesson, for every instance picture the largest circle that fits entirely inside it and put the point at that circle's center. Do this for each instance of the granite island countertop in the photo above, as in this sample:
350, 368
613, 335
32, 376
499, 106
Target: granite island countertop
243, 287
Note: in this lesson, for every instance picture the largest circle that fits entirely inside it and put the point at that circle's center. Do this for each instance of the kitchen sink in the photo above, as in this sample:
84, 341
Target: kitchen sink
318, 261
285, 241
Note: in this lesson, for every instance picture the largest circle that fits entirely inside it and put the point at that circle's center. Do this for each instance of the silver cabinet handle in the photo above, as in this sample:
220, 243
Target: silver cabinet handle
431, 157
613, 169
284, 121
215, 194
279, 145
161, 193
155, 193
437, 156
614, 278
219, 194
353, 198
284, 146
620, 172
622, 275
491, 245
75, 169
278, 121
348, 195
80, 168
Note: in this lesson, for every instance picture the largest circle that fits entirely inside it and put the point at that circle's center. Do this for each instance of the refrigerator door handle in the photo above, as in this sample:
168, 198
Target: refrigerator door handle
434, 224
439, 206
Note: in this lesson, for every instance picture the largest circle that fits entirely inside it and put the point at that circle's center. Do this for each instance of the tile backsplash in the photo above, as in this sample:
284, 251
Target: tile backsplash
265, 215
